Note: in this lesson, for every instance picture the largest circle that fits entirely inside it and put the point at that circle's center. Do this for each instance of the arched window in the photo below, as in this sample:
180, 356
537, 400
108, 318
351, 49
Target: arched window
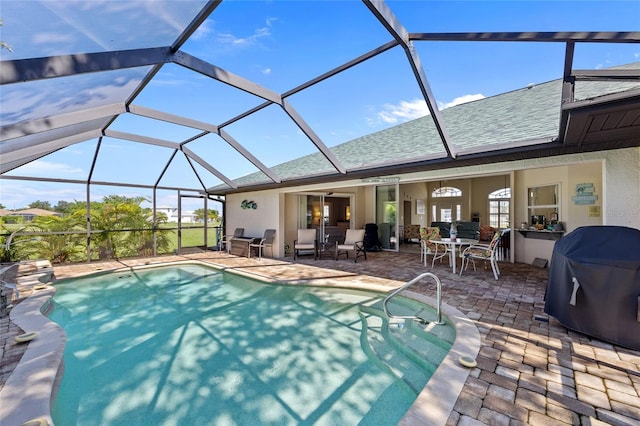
499, 203
446, 191
446, 210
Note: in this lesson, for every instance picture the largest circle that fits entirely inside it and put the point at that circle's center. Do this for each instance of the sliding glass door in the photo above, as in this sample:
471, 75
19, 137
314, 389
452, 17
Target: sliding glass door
330, 214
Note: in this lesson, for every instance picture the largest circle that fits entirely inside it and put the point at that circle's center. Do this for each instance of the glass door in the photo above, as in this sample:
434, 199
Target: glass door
386, 216
310, 211
329, 213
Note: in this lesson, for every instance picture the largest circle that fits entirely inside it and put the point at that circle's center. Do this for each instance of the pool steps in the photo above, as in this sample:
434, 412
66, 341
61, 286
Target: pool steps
409, 284
403, 348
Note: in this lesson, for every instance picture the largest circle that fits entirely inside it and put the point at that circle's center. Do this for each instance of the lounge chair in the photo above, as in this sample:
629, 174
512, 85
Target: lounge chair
353, 241
266, 241
307, 241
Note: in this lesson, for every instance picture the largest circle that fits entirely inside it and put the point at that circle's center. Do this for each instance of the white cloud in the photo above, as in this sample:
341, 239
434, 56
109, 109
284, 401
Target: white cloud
270, 21
404, 111
17, 195
47, 168
250, 40
51, 38
203, 30
266, 71
416, 108
461, 100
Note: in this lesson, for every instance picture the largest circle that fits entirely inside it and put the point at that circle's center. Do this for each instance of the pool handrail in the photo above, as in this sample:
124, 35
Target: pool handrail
408, 284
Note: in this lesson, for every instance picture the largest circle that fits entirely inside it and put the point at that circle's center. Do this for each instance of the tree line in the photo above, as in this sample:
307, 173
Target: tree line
120, 227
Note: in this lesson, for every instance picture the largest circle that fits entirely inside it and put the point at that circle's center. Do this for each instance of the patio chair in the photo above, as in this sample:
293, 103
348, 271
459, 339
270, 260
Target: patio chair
7, 288
486, 252
429, 248
226, 239
307, 241
353, 241
265, 242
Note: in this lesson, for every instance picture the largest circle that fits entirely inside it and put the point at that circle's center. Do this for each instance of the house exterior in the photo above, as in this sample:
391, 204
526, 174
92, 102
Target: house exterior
611, 176
186, 216
29, 214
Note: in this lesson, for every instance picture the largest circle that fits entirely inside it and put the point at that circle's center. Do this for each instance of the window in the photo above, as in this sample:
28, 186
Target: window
446, 191
499, 203
448, 204
543, 204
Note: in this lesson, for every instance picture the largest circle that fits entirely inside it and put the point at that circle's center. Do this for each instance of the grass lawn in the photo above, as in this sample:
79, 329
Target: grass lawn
192, 235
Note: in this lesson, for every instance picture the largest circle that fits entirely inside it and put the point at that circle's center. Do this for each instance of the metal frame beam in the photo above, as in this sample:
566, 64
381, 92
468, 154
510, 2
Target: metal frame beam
382, 12
44, 124
22, 155
533, 36
23, 70
568, 90
224, 76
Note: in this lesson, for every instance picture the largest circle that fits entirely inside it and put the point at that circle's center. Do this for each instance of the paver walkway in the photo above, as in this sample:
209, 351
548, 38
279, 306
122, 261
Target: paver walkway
531, 370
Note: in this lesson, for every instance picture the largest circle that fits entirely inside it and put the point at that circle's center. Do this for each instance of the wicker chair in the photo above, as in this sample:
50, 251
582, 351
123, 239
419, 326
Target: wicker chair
486, 252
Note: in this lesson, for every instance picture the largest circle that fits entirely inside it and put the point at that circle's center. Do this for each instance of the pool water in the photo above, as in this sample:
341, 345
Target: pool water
187, 345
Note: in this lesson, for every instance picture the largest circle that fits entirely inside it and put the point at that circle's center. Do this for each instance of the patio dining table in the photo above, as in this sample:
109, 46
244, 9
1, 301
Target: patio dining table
451, 246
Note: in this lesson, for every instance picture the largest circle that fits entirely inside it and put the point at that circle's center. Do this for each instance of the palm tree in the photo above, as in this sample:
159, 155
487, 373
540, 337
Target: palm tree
59, 247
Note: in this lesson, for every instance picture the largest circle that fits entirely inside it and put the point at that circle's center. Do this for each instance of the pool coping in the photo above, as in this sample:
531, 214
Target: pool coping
28, 392
29, 395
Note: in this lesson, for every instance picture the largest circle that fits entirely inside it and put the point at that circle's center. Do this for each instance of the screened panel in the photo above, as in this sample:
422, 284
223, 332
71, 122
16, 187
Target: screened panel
42, 143
139, 125
509, 91
72, 163
593, 89
75, 93
208, 179
19, 194
123, 161
180, 174
46, 28
609, 54
189, 94
167, 203
260, 45
501, 16
279, 140
342, 119
225, 158
32, 133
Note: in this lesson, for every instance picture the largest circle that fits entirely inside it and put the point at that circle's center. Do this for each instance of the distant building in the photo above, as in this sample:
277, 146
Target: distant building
30, 214
172, 214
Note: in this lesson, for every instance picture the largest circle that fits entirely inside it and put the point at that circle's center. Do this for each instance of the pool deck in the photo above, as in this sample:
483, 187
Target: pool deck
531, 369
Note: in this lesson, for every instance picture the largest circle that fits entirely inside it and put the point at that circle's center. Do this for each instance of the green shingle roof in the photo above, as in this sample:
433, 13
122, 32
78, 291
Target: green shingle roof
527, 114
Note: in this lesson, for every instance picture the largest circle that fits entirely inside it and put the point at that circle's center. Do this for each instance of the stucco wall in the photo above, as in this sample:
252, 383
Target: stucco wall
616, 179
622, 182
266, 215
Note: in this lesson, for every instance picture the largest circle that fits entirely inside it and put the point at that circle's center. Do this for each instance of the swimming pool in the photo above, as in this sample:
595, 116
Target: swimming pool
193, 345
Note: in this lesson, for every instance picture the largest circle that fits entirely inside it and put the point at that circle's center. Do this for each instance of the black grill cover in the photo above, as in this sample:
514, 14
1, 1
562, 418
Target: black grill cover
594, 283
371, 240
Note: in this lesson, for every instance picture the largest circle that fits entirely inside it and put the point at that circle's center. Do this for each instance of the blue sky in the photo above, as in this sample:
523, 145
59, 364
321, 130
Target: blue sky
280, 45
